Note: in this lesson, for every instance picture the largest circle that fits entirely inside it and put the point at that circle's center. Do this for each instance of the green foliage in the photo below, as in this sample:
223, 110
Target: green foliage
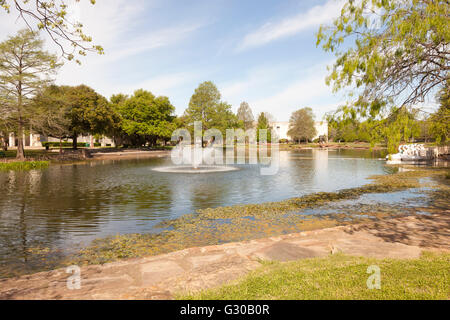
347, 130
206, 107
203, 104
144, 117
52, 16
302, 125
24, 69
400, 126
89, 112
23, 165
440, 121
52, 116
245, 115
263, 124
399, 55
398, 58
66, 144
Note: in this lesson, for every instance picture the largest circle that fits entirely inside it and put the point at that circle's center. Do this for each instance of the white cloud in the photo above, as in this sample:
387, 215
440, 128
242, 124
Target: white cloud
161, 85
272, 31
297, 95
237, 90
157, 39
282, 89
121, 27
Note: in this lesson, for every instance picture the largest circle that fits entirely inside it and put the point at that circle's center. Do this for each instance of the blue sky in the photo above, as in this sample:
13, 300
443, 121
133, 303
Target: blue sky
262, 52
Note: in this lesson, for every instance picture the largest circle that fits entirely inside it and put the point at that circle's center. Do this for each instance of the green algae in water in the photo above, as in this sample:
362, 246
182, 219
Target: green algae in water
253, 221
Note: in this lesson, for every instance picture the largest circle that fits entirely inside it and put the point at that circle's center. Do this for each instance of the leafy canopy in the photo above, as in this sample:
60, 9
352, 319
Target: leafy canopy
206, 106
302, 125
145, 115
24, 69
245, 115
263, 124
52, 113
52, 17
400, 52
440, 121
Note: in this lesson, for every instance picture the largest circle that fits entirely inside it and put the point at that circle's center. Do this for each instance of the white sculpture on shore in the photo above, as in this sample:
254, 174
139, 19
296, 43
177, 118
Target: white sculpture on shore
409, 152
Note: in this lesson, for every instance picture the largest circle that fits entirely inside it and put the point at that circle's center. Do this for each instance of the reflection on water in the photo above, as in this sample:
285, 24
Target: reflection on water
69, 204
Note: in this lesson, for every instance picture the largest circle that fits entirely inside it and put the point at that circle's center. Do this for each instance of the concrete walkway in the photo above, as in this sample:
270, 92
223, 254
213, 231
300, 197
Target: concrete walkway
160, 277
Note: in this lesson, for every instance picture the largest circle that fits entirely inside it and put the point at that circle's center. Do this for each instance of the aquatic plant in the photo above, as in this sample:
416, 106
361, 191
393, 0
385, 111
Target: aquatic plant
252, 221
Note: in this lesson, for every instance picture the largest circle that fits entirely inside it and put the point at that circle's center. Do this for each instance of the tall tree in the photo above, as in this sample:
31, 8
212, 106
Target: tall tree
52, 114
52, 17
440, 120
205, 106
223, 118
88, 111
245, 115
144, 117
24, 69
400, 125
302, 125
263, 124
400, 54
4, 134
5, 125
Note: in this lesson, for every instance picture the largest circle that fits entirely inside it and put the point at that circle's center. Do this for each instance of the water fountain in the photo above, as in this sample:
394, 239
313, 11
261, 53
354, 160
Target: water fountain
195, 159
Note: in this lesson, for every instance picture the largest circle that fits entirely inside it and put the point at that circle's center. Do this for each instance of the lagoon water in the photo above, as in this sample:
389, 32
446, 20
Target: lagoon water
69, 204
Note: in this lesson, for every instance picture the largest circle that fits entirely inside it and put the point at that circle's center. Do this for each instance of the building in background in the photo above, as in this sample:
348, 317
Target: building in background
33, 140
282, 128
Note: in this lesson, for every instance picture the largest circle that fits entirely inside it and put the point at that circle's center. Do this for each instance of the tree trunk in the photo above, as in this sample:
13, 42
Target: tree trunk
75, 142
20, 148
5, 143
60, 147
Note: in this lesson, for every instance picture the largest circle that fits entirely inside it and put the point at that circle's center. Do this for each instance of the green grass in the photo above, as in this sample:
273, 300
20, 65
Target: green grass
23, 165
340, 277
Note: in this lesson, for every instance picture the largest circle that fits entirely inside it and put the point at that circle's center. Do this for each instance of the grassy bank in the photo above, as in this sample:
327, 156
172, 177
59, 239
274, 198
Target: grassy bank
340, 277
23, 165
333, 145
11, 154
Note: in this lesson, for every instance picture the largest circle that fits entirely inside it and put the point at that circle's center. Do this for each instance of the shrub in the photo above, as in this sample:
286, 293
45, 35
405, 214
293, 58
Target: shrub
66, 144
23, 165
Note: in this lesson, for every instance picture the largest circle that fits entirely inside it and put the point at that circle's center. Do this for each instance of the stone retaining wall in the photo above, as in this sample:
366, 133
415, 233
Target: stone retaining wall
438, 152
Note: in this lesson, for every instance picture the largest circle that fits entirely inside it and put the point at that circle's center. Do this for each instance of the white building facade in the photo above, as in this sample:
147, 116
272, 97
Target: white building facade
33, 140
282, 128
